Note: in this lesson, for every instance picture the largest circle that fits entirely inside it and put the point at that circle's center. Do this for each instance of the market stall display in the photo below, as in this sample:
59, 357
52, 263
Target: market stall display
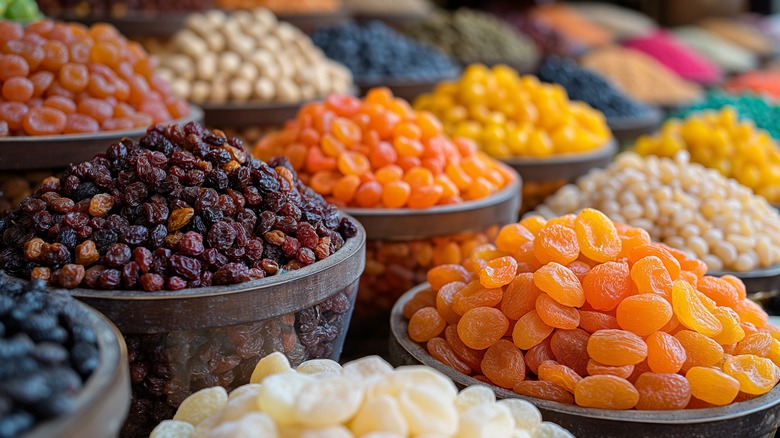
741, 34
626, 117
365, 397
568, 22
397, 171
682, 204
763, 83
378, 55
246, 68
397, 11
64, 370
603, 317
473, 36
720, 140
641, 76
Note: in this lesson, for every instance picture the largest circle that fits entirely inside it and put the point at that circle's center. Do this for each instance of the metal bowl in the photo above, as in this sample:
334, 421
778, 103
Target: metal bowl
627, 129
182, 341
758, 417
102, 405
57, 151
407, 89
564, 166
249, 114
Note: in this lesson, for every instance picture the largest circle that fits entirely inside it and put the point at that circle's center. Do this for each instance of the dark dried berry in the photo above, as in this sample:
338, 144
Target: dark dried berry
117, 255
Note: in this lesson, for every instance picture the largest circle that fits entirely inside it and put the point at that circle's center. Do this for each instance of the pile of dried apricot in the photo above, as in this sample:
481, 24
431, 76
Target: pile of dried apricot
578, 309
379, 152
65, 78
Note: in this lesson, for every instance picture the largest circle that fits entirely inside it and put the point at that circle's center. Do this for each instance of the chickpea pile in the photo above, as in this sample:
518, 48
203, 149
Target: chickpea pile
683, 205
247, 56
719, 140
509, 115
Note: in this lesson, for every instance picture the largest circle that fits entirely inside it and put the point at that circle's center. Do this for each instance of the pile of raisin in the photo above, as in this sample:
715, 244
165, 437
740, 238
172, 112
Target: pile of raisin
183, 207
47, 351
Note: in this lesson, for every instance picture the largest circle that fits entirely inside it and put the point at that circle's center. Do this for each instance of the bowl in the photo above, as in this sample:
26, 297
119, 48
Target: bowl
758, 417
182, 341
544, 176
403, 244
249, 114
137, 24
407, 89
309, 22
627, 129
101, 407
57, 151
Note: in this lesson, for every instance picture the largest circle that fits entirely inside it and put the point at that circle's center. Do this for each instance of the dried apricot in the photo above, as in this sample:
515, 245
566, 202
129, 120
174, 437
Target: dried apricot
498, 272
644, 313
597, 236
651, 276
756, 375
606, 392
616, 347
595, 368
662, 391
691, 312
520, 296
556, 243
665, 354
560, 283
544, 390
699, 349
570, 348
426, 324
530, 330
441, 351
503, 364
712, 385
607, 284
555, 314
561, 375
482, 327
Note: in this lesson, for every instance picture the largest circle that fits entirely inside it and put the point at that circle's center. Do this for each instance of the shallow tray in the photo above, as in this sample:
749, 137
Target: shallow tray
757, 280
101, 407
410, 224
627, 129
562, 167
57, 151
754, 418
159, 25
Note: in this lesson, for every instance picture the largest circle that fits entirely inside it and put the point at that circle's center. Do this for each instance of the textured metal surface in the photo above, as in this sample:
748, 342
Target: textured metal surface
409, 224
102, 406
754, 418
218, 306
562, 167
57, 151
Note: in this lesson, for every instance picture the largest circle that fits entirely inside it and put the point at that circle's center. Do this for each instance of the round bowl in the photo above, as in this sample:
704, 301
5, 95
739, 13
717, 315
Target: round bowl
755, 418
627, 129
249, 114
57, 151
562, 167
757, 280
182, 341
404, 244
101, 407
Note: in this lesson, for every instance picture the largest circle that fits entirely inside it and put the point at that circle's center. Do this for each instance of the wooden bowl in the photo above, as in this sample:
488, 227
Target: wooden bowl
182, 341
57, 151
754, 418
102, 405
562, 167
627, 129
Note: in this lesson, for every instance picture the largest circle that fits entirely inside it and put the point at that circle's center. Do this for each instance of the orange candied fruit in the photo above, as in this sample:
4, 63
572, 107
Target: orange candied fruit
377, 152
577, 310
65, 78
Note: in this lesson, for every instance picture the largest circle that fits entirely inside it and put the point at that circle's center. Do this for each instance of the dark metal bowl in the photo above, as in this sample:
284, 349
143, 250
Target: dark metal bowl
755, 418
627, 129
564, 166
102, 405
57, 151
407, 89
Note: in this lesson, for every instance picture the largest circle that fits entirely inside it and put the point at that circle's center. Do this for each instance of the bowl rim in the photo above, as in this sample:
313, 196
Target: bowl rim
107, 389
397, 224
196, 114
608, 149
399, 326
